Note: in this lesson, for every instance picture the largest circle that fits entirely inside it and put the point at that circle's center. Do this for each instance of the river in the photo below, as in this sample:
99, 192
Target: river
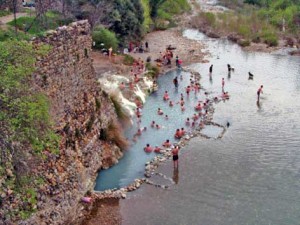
252, 174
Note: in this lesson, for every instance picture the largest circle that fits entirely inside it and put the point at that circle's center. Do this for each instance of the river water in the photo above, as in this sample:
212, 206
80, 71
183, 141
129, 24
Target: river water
252, 174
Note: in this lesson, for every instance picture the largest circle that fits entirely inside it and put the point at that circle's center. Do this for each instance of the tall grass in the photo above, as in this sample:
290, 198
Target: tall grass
246, 24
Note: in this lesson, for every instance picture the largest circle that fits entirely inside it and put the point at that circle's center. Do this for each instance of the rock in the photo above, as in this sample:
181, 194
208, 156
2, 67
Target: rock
123, 195
9, 173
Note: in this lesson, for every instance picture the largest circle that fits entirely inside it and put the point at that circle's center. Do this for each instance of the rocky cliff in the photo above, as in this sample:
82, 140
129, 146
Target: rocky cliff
83, 116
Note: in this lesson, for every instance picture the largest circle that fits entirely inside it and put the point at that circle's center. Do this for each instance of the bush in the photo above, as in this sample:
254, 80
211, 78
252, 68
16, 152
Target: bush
4, 13
244, 30
270, 39
104, 38
153, 71
128, 60
147, 18
209, 18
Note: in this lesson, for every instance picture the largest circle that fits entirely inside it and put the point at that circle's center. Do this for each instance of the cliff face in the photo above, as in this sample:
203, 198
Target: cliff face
82, 114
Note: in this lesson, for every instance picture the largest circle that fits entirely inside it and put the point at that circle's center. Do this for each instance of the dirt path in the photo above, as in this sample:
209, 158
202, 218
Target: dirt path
6, 19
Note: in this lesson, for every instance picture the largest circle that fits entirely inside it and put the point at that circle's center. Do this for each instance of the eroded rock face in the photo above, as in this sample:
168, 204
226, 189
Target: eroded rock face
80, 111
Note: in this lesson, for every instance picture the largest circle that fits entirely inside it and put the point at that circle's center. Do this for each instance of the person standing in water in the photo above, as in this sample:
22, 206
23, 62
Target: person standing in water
259, 91
175, 152
175, 81
211, 68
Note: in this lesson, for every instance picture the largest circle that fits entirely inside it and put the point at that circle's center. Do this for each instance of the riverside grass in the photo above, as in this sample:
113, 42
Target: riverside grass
247, 26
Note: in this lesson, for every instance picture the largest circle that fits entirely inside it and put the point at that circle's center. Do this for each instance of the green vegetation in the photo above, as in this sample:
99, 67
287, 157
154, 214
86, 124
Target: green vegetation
128, 60
126, 19
25, 112
10, 34
38, 25
122, 115
163, 11
148, 22
4, 13
153, 71
104, 38
261, 20
245, 23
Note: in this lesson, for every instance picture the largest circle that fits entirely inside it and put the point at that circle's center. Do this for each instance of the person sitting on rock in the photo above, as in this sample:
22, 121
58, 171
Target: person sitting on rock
167, 143
148, 148
178, 134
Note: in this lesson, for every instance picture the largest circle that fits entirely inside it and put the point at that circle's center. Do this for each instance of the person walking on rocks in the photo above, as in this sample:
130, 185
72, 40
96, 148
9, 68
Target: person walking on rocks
175, 152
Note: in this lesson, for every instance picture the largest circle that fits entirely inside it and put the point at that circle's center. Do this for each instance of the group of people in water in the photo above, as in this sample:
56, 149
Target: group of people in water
200, 107
196, 120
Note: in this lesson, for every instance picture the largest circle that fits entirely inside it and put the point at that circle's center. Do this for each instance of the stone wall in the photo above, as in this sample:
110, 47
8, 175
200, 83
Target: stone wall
81, 113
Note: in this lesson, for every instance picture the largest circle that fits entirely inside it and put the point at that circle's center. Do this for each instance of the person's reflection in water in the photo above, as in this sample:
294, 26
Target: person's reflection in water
175, 175
258, 105
210, 78
229, 75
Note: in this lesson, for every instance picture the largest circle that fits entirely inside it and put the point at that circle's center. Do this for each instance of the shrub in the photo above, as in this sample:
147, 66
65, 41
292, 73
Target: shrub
270, 38
4, 12
244, 30
153, 71
128, 60
104, 38
209, 18
271, 41
147, 18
